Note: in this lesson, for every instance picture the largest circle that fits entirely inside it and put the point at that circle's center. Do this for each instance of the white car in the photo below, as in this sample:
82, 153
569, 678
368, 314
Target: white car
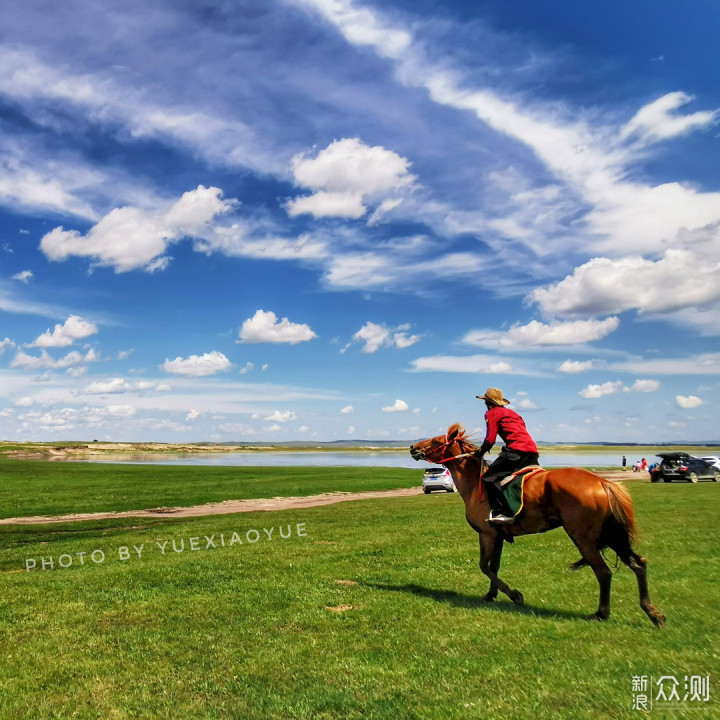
437, 479
714, 460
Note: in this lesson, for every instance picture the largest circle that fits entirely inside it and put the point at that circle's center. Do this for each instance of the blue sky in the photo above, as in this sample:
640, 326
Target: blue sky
329, 219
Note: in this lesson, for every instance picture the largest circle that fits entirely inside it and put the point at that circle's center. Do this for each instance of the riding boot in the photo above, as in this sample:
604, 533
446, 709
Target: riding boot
500, 511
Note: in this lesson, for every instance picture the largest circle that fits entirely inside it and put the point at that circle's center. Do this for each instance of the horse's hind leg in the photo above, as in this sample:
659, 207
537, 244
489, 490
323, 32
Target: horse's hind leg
493, 564
589, 550
621, 545
490, 552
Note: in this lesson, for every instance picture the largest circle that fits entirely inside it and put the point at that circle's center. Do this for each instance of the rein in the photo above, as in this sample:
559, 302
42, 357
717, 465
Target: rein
443, 459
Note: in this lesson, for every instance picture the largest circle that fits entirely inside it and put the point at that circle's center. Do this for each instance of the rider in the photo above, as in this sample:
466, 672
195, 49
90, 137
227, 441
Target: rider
518, 452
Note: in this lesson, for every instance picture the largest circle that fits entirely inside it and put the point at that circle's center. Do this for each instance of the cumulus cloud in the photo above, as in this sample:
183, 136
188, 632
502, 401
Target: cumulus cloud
598, 391
644, 386
121, 385
197, 365
397, 406
377, 336
604, 286
192, 416
282, 416
265, 327
6, 344
538, 334
128, 238
612, 387
346, 177
576, 366
24, 361
74, 328
347, 410
688, 402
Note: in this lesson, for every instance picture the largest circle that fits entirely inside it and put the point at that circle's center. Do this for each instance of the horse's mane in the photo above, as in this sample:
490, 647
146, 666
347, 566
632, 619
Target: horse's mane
463, 439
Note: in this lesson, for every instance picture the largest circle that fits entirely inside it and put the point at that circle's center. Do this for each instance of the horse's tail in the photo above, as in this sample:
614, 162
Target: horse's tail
622, 513
621, 507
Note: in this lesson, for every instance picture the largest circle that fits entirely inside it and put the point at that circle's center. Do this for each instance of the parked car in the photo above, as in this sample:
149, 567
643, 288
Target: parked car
681, 467
437, 479
714, 460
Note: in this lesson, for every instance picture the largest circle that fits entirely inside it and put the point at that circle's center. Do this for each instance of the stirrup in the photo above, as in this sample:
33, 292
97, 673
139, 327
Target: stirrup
501, 519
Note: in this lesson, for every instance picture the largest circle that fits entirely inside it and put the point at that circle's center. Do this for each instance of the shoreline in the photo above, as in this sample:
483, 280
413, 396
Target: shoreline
77, 450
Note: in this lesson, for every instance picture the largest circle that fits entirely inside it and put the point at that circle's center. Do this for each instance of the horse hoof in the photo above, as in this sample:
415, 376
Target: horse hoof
658, 619
489, 597
517, 597
597, 617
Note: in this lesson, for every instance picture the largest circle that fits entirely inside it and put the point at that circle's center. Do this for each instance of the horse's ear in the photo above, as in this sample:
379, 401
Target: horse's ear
452, 432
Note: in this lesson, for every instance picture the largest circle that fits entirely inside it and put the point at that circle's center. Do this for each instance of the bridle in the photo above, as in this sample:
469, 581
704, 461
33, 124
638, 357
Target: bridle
447, 444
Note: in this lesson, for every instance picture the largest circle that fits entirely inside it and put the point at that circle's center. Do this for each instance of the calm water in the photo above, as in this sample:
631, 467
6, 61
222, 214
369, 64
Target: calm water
339, 459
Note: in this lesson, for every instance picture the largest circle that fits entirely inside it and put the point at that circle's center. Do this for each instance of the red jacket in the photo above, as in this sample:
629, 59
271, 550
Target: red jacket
511, 428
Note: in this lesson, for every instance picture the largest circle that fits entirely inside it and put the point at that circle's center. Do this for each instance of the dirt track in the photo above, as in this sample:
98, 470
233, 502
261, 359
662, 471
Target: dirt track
222, 508
229, 507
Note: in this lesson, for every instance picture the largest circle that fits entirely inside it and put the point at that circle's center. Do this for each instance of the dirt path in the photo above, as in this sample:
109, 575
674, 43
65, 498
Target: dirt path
221, 508
229, 507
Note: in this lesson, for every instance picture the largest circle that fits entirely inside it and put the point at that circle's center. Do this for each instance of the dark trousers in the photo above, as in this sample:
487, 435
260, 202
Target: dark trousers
506, 463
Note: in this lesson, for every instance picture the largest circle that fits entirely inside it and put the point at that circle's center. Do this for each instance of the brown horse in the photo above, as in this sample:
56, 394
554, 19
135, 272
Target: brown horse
595, 513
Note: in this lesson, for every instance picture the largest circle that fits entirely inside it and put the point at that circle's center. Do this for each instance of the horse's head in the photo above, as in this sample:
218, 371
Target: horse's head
442, 448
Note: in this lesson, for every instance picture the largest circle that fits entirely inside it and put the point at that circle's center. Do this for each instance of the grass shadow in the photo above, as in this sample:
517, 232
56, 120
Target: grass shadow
476, 601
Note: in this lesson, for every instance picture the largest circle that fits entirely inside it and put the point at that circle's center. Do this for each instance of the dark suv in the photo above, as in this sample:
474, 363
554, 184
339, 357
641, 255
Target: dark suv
679, 466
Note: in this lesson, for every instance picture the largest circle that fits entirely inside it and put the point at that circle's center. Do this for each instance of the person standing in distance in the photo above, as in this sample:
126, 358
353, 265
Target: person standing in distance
518, 452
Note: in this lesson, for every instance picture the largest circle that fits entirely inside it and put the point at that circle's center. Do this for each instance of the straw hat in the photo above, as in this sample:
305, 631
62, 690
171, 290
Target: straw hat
494, 395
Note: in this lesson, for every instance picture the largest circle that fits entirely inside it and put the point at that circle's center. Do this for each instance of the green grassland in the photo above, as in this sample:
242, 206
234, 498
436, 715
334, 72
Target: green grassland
263, 630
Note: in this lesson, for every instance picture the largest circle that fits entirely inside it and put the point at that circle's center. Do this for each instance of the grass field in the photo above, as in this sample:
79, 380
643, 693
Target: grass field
264, 630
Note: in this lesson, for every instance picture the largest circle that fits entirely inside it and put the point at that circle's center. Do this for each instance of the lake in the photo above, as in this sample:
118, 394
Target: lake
350, 458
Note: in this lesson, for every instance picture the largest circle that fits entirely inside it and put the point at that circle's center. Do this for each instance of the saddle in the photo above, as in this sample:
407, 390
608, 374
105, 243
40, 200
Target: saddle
512, 487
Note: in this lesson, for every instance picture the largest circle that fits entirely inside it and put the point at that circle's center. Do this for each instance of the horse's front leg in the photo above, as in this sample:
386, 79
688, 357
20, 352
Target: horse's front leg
493, 564
491, 545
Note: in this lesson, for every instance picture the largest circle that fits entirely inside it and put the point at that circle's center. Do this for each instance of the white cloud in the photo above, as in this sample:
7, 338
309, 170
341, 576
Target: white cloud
25, 276
644, 386
703, 364
74, 328
130, 237
192, 416
347, 410
377, 336
603, 285
464, 364
598, 391
347, 176
610, 388
526, 404
576, 366
590, 160
536, 334
397, 406
688, 402
24, 361
120, 385
265, 327
657, 121
282, 416
6, 344
197, 365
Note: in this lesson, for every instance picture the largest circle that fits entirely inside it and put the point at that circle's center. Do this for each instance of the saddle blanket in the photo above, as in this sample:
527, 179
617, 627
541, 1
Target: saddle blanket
512, 487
